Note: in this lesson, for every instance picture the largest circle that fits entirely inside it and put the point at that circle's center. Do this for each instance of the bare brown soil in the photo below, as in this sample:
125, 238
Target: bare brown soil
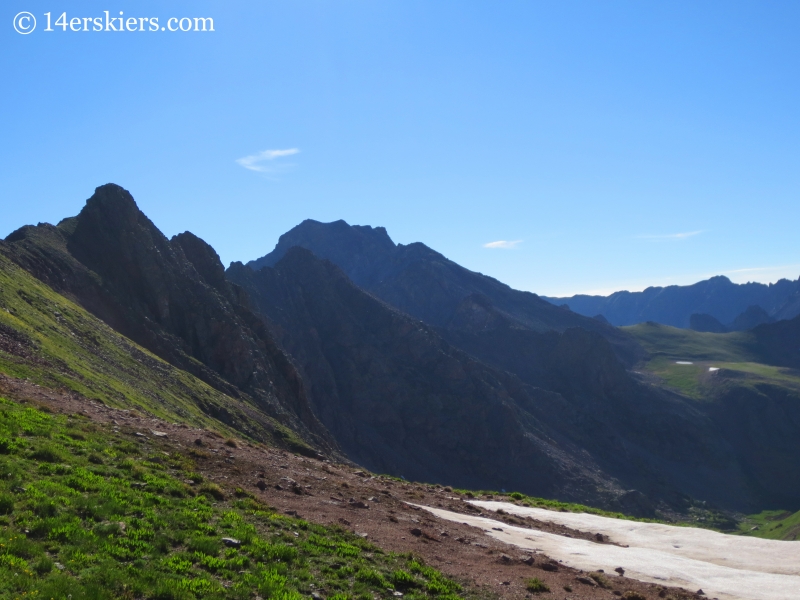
373, 506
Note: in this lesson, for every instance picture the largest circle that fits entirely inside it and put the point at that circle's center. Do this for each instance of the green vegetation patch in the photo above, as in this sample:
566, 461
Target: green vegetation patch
86, 513
772, 525
685, 344
729, 353
536, 586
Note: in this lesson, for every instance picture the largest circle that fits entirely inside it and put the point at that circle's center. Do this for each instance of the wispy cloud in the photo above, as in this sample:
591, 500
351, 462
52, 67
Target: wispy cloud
763, 274
671, 236
264, 161
503, 244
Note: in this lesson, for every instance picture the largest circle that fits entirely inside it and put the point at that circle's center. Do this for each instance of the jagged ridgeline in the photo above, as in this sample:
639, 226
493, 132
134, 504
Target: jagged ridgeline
191, 349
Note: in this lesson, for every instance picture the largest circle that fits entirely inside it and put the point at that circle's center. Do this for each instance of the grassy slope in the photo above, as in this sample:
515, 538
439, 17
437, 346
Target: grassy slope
90, 513
772, 525
731, 351
57, 344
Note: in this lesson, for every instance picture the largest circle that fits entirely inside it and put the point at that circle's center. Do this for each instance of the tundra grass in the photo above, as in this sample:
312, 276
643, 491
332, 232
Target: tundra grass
725, 351
772, 525
685, 344
88, 513
53, 342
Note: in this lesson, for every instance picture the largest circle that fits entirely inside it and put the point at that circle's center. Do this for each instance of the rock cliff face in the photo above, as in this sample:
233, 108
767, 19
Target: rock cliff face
542, 412
170, 296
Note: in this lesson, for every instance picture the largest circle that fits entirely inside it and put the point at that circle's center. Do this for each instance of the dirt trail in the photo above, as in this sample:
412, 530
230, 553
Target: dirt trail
379, 508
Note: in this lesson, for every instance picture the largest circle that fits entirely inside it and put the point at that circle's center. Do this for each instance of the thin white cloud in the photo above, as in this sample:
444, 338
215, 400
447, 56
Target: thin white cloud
263, 162
671, 236
503, 244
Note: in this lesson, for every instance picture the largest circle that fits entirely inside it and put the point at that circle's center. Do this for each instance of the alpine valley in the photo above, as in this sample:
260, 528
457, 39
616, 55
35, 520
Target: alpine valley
341, 347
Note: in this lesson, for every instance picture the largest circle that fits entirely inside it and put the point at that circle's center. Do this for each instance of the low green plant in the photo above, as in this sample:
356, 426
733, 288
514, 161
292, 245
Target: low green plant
601, 580
536, 585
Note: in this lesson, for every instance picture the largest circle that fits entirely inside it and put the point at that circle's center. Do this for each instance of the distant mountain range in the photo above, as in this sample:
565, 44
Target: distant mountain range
732, 306
405, 362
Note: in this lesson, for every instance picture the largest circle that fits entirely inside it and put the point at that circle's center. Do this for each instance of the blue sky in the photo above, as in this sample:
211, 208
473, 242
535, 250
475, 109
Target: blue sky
611, 145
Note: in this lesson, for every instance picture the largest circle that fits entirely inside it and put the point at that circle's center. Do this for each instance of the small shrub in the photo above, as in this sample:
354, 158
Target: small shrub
403, 580
213, 490
631, 595
43, 566
6, 445
205, 545
195, 477
371, 576
601, 580
516, 495
46, 508
6, 504
231, 443
47, 454
536, 585
96, 459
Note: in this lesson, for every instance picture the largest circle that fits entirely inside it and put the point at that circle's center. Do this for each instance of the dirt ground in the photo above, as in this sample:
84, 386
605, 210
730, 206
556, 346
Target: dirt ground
372, 506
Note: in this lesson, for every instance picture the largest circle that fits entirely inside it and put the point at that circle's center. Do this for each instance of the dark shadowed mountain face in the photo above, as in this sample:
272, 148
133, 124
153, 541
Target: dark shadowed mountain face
401, 400
706, 323
400, 397
425, 284
751, 317
777, 343
674, 305
170, 296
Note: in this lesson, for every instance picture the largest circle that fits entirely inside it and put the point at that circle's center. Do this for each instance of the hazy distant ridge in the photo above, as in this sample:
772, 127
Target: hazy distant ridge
674, 305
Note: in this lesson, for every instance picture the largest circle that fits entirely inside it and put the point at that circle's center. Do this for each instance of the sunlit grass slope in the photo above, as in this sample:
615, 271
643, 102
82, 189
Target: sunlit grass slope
773, 525
55, 343
732, 352
90, 513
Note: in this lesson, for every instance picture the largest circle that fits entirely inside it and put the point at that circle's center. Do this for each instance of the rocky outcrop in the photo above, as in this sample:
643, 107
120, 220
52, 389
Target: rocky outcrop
170, 296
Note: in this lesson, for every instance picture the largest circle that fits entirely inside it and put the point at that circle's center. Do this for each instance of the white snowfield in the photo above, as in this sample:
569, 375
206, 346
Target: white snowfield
723, 566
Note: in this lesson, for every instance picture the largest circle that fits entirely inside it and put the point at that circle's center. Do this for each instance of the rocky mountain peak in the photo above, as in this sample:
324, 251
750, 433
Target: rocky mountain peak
203, 257
355, 248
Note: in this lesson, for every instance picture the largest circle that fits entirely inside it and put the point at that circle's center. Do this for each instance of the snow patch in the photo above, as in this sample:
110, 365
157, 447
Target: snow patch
724, 566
